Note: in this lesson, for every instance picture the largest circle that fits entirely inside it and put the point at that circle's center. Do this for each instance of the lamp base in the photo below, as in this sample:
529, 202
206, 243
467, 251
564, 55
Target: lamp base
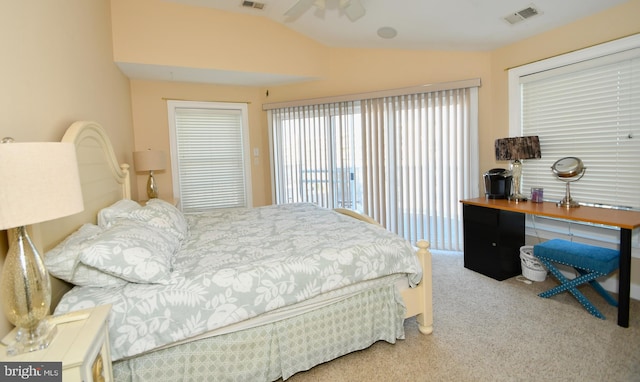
28, 340
152, 188
26, 294
516, 172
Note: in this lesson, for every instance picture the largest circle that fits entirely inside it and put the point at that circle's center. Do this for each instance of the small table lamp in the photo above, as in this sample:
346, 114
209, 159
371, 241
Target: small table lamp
149, 160
40, 182
516, 149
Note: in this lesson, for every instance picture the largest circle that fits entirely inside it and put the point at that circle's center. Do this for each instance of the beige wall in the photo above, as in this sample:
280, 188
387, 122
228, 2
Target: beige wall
257, 45
149, 100
362, 70
57, 68
367, 70
338, 71
166, 33
157, 32
609, 25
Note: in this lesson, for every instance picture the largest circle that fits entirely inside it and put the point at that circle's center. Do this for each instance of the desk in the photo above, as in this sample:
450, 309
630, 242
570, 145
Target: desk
627, 221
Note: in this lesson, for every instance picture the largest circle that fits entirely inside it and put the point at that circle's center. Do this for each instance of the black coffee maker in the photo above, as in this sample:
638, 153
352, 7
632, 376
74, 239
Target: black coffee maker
497, 183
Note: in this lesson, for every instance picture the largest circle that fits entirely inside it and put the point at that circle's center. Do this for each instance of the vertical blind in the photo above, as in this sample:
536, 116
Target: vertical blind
316, 155
589, 110
404, 160
210, 157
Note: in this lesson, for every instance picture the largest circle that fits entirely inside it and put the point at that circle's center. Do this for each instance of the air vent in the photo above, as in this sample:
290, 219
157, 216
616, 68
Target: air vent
253, 4
521, 15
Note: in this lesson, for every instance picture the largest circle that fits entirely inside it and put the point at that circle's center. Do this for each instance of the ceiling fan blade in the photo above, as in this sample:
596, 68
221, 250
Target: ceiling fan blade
298, 9
354, 10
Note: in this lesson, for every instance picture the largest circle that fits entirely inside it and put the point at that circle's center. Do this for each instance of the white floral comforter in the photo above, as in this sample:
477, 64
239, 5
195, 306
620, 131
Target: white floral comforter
237, 264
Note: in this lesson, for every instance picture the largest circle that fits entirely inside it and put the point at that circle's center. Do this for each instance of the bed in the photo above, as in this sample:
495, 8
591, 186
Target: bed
245, 294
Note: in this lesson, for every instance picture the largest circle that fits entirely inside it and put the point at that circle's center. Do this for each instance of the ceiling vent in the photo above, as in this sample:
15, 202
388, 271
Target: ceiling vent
253, 4
522, 15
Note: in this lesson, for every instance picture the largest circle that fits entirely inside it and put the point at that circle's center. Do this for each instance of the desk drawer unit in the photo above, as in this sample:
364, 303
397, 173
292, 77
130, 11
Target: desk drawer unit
492, 241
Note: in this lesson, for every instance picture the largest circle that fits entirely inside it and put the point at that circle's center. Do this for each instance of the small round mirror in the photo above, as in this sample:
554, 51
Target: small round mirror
567, 167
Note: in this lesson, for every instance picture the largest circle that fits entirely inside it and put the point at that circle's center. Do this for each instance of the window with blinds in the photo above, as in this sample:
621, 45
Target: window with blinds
317, 155
210, 155
404, 159
589, 110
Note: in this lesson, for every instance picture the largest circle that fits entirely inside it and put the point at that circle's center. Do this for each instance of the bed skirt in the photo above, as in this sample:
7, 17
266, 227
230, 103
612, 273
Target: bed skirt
279, 349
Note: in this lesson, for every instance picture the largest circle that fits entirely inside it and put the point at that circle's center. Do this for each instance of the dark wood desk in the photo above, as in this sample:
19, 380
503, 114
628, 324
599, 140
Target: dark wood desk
627, 221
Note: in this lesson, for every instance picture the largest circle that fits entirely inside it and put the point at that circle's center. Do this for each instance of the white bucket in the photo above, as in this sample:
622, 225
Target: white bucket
532, 268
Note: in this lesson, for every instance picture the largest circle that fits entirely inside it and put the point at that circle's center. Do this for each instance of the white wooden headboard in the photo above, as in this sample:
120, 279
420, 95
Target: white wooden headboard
103, 182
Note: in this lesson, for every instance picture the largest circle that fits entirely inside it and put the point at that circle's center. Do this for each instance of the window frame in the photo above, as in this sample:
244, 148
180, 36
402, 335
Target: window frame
549, 228
514, 74
172, 105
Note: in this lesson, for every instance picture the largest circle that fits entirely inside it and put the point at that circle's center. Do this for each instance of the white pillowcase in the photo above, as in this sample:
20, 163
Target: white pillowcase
117, 210
164, 216
131, 250
131, 243
156, 213
62, 261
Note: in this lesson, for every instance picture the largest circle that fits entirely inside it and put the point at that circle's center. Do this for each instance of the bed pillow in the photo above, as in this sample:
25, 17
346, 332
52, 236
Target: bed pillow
164, 216
117, 210
131, 250
91, 277
62, 261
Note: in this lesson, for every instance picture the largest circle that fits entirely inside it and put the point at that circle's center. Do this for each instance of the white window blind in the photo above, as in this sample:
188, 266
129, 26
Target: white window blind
421, 152
404, 160
589, 110
317, 155
210, 155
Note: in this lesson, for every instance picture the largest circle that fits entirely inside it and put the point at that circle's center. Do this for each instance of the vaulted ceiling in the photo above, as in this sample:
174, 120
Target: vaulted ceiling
477, 25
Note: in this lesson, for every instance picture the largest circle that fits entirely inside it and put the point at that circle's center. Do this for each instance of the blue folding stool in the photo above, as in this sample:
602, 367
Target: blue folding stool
590, 261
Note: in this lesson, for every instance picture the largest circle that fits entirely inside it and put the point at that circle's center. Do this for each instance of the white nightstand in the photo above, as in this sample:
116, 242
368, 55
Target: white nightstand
81, 344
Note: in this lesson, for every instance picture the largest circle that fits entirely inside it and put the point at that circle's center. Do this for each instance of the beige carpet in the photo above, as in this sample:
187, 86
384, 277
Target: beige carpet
486, 330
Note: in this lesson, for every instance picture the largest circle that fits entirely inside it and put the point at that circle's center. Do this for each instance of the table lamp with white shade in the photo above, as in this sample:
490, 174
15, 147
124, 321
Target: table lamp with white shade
39, 182
150, 160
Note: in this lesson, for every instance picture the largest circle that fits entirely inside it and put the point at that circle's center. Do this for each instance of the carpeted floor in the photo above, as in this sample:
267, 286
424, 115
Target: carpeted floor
486, 330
